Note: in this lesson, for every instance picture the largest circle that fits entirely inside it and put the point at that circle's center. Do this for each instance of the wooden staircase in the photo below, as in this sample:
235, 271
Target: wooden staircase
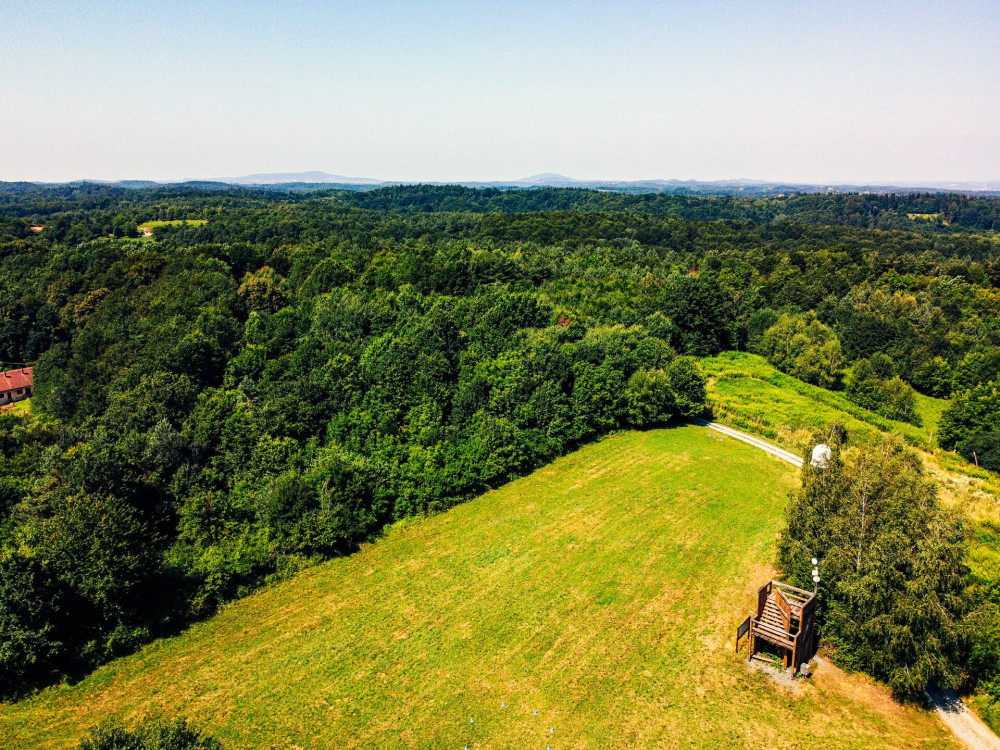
772, 626
783, 623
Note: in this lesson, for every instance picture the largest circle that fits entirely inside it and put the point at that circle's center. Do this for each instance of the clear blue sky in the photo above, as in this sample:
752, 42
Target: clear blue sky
806, 90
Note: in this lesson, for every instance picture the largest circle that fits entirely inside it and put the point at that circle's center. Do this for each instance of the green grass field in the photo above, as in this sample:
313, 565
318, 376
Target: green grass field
602, 591
21, 407
172, 223
924, 217
749, 393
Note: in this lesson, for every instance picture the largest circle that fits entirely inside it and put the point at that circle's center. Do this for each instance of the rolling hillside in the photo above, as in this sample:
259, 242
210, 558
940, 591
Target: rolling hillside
601, 592
748, 393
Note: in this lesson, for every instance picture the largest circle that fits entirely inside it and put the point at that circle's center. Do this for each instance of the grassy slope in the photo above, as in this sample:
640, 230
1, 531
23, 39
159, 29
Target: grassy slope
749, 393
602, 591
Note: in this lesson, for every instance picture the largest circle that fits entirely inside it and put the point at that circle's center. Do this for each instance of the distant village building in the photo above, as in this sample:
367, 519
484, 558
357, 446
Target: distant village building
36, 228
147, 231
15, 385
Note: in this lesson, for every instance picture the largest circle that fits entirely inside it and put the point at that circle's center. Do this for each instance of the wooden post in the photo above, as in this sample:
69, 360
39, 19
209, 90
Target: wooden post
762, 593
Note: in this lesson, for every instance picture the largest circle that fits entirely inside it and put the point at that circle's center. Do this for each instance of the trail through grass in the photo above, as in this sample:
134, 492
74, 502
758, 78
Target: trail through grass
748, 393
602, 591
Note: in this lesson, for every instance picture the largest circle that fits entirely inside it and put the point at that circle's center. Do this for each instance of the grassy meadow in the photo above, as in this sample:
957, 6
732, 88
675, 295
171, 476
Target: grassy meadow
19, 407
602, 591
747, 392
171, 223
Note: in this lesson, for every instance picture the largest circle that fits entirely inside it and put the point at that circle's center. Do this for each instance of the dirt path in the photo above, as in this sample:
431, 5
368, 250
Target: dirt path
964, 724
955, 715
792, 458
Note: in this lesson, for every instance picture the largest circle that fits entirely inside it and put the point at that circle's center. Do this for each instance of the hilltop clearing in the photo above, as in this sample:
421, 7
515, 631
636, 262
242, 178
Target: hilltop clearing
601, 591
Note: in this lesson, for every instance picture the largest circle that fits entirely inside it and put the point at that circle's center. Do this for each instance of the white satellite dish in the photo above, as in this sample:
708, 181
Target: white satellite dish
821, 456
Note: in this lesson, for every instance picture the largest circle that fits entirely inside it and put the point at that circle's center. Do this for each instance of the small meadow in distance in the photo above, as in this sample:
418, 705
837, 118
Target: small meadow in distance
749, 393
172, 223
602, 591
147, 228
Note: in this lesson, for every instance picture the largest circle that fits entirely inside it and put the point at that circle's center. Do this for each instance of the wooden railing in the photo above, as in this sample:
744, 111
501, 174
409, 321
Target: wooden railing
777, 636
808, 608
783, 608
762, 594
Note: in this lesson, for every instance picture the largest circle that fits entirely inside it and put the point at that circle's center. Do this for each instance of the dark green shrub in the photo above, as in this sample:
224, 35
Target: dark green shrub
650, 398
934, 377
976, 368
982, 448
970, 413
874, 387
688, 385
804, 348
148, 735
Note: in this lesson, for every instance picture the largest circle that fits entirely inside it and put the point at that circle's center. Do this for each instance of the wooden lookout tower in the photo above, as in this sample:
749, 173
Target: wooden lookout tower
784, 624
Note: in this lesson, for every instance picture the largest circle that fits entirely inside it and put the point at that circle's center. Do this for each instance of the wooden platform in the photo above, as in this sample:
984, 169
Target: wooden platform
783, 623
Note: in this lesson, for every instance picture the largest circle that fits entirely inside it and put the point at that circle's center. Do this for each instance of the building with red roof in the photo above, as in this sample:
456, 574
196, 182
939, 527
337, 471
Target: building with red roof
15, 385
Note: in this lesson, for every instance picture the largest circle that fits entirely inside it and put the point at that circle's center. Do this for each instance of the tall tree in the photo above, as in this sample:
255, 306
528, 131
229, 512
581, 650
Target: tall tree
893, 593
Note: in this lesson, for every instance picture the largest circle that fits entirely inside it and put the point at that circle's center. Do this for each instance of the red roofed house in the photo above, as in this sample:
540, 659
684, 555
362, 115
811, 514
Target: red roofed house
15, 385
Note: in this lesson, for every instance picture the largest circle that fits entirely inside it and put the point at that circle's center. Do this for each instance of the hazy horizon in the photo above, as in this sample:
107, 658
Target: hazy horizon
989, 186
845, 92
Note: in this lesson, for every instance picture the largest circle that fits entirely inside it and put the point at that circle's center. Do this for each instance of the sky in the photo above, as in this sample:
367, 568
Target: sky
806, 91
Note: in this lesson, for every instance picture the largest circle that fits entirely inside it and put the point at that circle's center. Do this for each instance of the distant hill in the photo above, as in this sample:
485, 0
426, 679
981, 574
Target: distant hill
699, 187
313, 180
960, 187
305, 177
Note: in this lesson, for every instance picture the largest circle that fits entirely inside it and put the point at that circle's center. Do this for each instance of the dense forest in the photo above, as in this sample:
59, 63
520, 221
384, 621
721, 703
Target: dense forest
220, 404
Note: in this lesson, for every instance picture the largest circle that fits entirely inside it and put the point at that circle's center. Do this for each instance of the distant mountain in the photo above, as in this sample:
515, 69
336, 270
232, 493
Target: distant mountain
315, 180
960, 187
723, 187
549, 179
303, 177
743, 186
